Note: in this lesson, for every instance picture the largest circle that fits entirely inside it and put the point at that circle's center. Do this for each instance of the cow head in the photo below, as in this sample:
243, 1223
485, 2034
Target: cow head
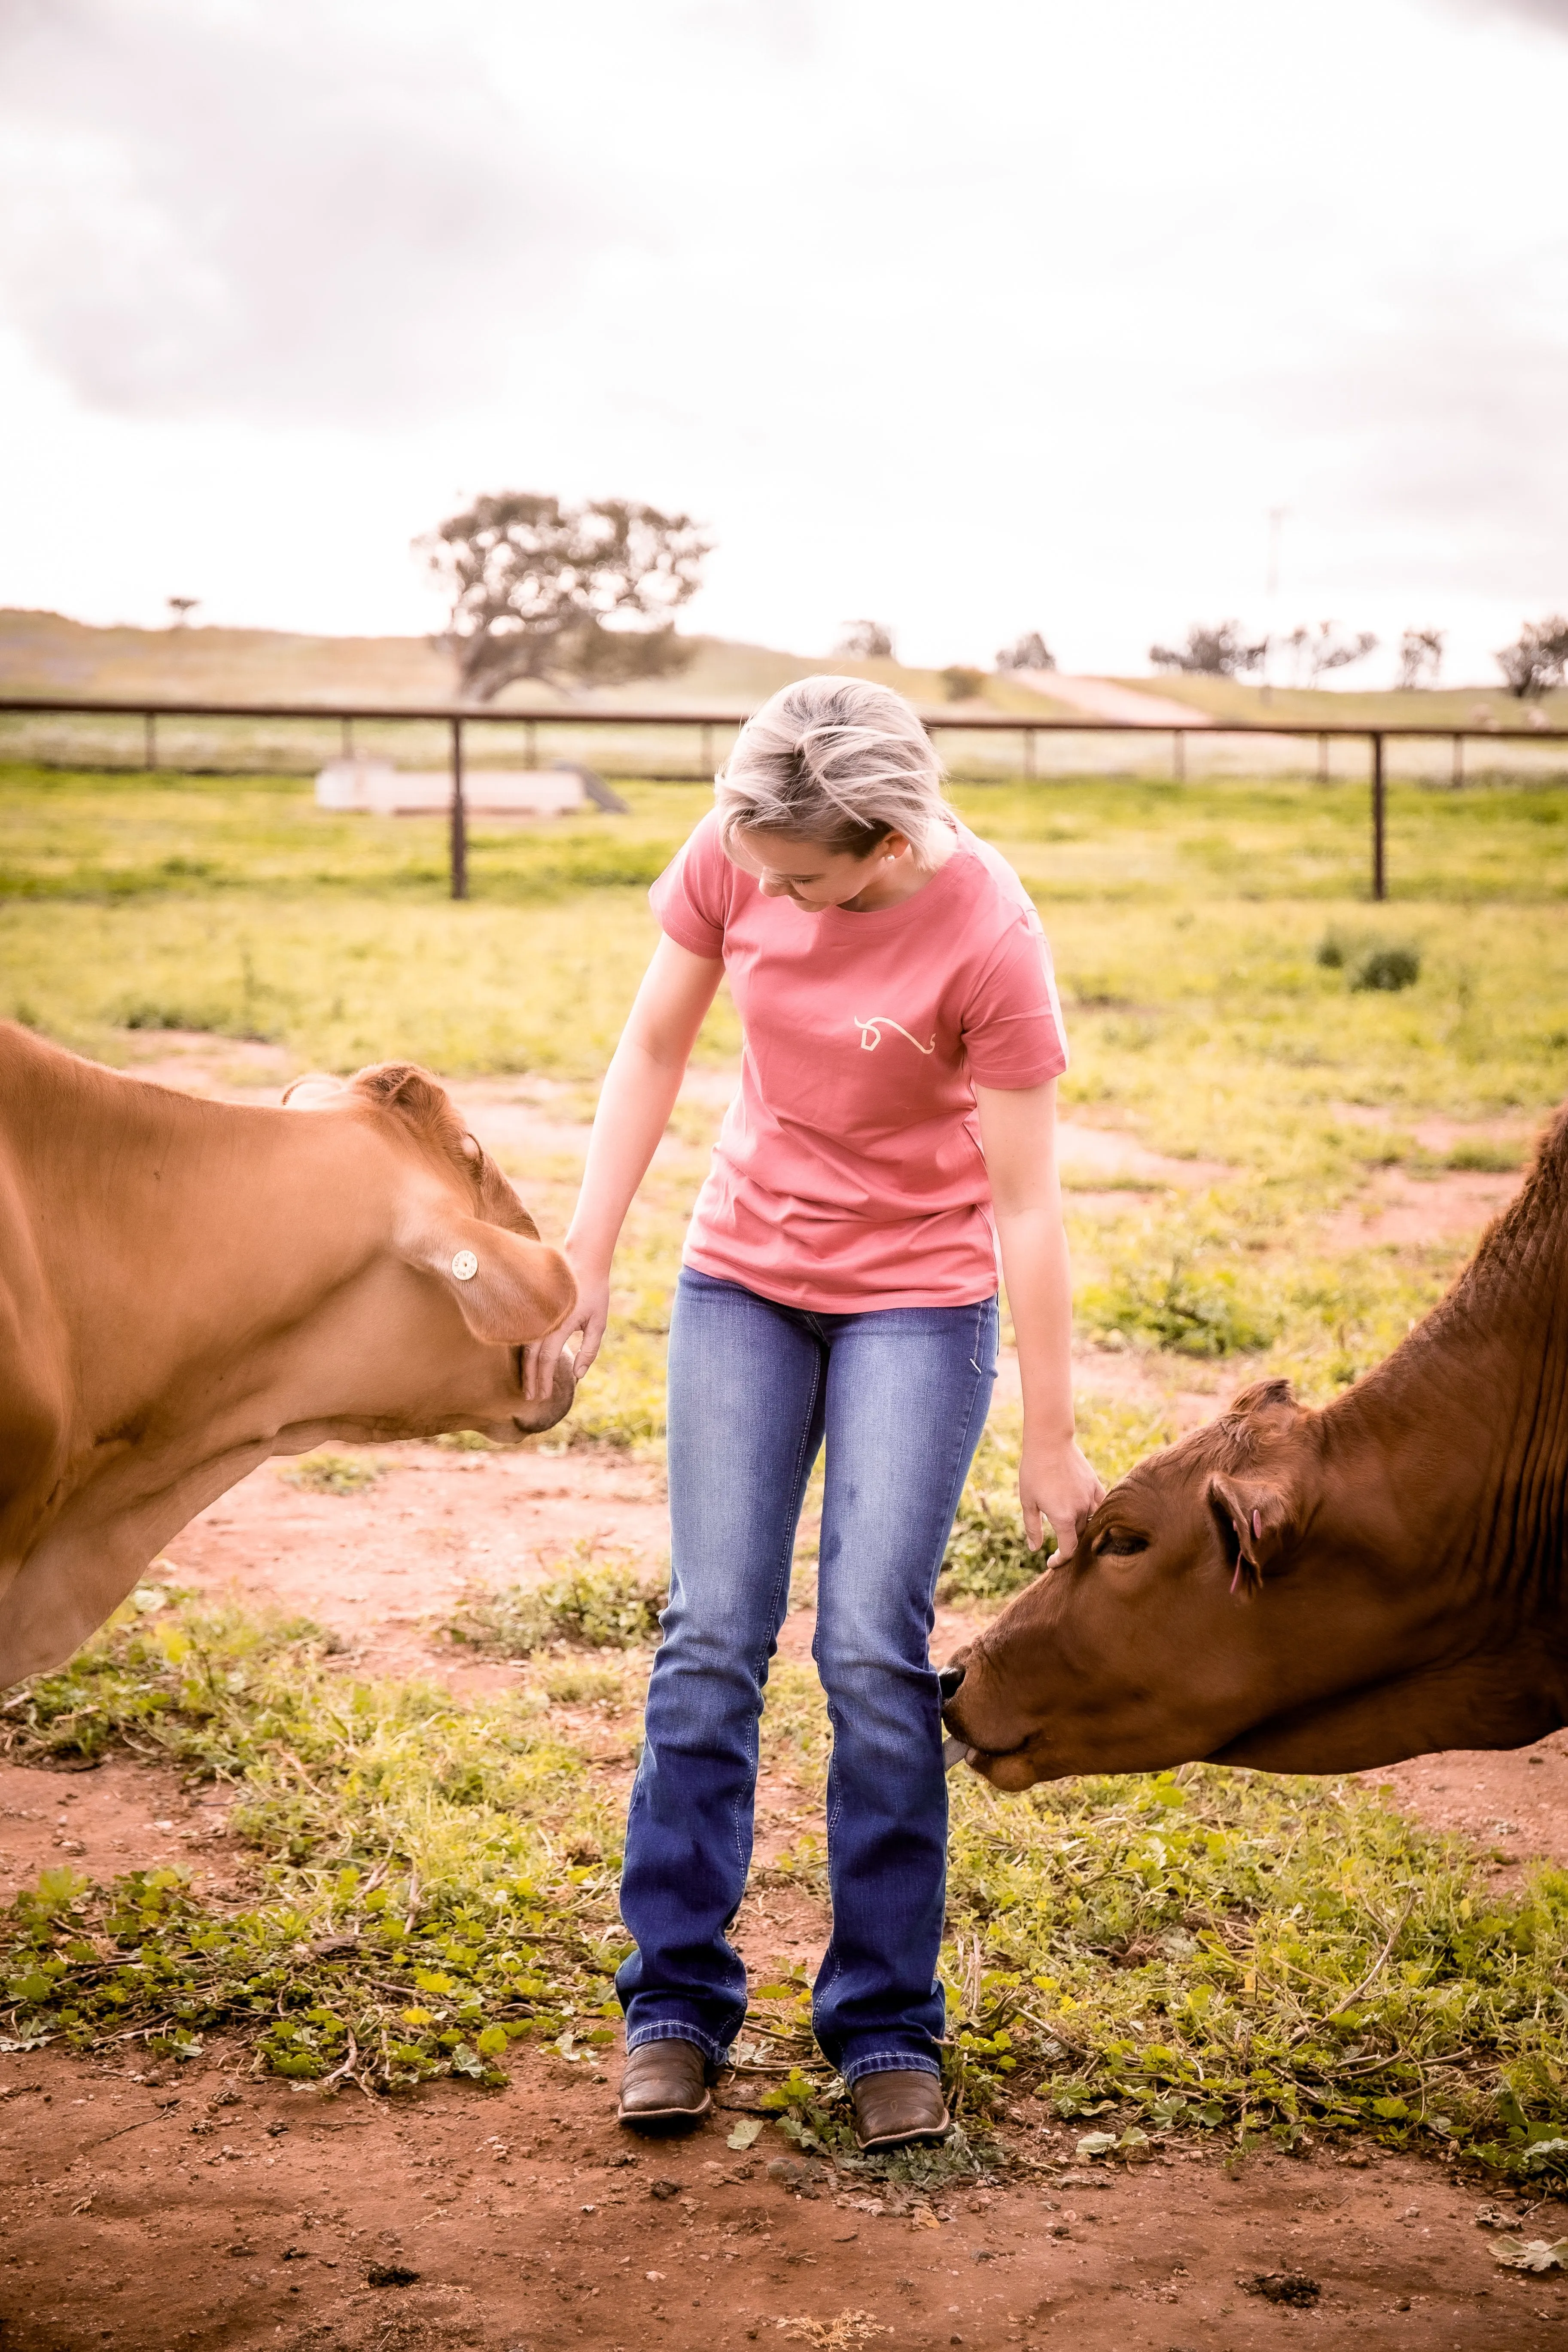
461, 1258
1223, 1599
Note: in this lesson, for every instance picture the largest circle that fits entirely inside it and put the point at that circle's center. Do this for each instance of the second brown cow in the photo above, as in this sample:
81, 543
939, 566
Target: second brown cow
1320, 1592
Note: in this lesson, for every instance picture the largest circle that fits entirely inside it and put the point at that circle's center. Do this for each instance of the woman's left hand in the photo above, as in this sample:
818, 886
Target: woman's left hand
1055, 1483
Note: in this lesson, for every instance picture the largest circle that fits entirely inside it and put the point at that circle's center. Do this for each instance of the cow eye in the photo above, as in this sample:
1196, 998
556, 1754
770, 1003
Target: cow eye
1121, 1542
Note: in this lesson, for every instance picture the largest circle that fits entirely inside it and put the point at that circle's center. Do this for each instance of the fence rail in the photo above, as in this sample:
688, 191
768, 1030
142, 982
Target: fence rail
457, 717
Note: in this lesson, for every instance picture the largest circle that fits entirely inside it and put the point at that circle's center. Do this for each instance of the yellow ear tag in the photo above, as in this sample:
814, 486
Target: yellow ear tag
465, 1265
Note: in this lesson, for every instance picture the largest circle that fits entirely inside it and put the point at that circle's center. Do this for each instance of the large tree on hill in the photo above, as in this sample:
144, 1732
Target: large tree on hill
1215, 650
571, 595
1538, 658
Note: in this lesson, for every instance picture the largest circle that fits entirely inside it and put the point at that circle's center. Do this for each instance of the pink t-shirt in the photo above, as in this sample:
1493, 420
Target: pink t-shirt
849, 1172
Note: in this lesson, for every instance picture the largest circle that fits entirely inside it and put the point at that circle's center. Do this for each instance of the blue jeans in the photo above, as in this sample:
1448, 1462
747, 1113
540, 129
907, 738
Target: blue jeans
901, 1396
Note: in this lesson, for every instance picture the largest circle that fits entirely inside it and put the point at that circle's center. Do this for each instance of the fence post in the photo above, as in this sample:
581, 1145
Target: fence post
1029, 734
706, 762
1179, 754
348, 738
460, 817
1459, 761
1322, 758
1379, 873
149, 740
530, 733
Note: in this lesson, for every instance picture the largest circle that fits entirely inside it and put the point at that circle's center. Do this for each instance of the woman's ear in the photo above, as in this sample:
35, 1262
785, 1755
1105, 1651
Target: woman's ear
509, 1290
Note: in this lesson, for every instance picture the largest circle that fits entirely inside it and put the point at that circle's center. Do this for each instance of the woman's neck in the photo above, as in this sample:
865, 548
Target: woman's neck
897, 878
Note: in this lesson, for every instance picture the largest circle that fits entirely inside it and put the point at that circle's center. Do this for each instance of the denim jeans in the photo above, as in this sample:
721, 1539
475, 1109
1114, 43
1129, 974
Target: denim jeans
899, 1396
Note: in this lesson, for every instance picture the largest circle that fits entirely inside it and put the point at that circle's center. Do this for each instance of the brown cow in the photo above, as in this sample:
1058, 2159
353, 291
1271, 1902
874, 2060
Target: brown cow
186, 1287
1320, 1592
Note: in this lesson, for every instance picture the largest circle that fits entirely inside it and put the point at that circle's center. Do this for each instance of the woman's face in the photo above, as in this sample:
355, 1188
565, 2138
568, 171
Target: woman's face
787, 865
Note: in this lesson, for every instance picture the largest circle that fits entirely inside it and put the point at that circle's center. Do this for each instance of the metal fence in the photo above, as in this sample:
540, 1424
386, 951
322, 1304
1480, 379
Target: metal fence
457, 719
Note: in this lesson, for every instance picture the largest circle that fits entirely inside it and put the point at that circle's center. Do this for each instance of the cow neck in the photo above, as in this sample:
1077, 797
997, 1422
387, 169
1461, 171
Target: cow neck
1466, 1422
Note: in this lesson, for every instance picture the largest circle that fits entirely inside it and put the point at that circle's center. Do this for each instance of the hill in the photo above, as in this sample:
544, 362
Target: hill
43, 653
1243, 704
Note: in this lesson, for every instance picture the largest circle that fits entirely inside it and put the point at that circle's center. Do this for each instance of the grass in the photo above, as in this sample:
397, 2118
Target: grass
332, 1474
433, 1886
1217, 1952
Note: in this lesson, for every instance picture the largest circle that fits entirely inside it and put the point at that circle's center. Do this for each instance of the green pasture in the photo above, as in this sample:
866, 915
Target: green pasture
1187, 923
432, 1893
1209, 940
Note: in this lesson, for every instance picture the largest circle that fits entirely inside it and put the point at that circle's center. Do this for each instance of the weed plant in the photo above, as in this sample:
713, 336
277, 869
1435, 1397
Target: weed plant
595, 1604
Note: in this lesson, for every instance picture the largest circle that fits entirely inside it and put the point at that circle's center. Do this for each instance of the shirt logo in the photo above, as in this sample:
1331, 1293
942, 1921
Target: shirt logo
871, 1034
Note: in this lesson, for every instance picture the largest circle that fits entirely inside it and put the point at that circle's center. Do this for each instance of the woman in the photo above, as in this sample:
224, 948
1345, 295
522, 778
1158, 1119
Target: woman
895, 1122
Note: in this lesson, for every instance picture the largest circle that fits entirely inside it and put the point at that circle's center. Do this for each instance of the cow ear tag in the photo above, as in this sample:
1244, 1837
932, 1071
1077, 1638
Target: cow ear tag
465, 1265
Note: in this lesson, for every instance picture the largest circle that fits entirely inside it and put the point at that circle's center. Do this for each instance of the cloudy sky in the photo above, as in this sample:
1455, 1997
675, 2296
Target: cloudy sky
1022, 314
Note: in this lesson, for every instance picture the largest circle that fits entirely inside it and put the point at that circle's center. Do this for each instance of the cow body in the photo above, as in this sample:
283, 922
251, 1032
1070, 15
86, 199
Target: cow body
1321, 1592
186, 1287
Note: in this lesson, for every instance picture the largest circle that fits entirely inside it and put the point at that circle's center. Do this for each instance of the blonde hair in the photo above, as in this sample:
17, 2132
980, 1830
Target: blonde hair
839, 760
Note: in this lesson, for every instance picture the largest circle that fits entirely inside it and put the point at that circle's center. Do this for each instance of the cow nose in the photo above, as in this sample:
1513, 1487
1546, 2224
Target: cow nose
947, 1683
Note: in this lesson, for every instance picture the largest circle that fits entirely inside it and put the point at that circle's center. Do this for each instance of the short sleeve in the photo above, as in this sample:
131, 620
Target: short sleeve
1013, 1034
692, 898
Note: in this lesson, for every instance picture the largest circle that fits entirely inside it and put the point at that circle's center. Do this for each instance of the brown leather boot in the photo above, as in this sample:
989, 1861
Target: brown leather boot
665, 2088
895, 2108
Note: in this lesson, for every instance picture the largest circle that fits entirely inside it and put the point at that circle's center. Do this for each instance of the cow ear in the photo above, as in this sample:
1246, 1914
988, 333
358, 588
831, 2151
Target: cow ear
1261, 1518
509, 1290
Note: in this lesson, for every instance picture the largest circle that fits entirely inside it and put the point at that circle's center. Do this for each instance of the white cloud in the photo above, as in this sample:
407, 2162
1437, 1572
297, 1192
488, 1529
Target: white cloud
280, 213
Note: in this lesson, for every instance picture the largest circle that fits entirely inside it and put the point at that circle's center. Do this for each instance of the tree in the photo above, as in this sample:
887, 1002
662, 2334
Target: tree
961, 683
1030, 652
1320, 650
569, 595
1538, 658
180, 606
1420, 657
864, 641
1219, 651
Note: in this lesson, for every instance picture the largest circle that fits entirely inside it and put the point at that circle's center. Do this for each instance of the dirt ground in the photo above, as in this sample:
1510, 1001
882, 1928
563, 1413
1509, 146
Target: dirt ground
203, 2207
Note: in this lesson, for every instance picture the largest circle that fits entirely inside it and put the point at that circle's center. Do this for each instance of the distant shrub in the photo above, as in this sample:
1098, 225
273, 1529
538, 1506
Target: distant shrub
596, 1606
144, 1014
1387, 968
1190, 1307
961, 685
334, 1474
1368, 962
1478, 1157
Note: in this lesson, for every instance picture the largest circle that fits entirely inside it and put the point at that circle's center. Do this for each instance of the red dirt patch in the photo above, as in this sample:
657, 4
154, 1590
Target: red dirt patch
1511, 1804
1401, 1211
204, 2209
385, 1567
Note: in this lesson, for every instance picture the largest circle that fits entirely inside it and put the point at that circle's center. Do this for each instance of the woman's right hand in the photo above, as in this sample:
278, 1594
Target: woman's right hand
586, 1324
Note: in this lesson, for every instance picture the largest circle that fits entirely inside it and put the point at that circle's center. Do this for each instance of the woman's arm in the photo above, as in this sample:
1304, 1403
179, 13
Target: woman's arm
1018, 1130
635, 1103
